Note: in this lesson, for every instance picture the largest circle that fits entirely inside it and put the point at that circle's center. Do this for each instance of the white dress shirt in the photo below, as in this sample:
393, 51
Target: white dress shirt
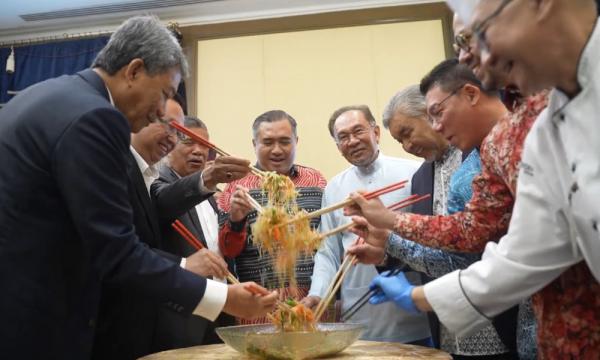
215, 295
385, 322
209, 221
556, 216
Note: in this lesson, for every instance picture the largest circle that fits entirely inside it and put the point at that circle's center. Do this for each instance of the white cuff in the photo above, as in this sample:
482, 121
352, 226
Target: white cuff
204, 189
452, 307
213, 301
183, 262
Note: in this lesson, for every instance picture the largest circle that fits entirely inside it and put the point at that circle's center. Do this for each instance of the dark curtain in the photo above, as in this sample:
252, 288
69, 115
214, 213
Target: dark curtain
35, 63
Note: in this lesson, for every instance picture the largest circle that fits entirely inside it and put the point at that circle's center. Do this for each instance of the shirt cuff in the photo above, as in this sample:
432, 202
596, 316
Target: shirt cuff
237, 226
450, 303
183, 262
204, 189
213, 301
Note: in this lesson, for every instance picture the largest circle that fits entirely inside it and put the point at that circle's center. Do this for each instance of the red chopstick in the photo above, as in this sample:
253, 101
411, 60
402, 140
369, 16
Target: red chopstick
385, 189
408, 201
187, 235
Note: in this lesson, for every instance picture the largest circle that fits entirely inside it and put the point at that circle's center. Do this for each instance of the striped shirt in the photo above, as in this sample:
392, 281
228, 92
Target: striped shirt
235, 240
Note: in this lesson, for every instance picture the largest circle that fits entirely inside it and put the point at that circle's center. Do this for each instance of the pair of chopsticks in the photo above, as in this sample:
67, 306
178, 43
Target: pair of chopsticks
349, 260
368, 196
394, 207
192, 240
346, 315
202, 141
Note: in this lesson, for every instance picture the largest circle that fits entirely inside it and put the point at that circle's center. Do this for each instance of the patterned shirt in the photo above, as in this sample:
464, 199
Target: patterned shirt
235, 240
435, 262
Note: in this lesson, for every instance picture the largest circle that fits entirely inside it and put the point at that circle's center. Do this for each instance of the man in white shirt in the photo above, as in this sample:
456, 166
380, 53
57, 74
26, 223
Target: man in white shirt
555, 222
356, 134
121, 332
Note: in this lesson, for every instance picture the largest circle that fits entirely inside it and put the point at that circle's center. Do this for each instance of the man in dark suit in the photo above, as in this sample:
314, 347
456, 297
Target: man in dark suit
185, 163
66, 224
128, 325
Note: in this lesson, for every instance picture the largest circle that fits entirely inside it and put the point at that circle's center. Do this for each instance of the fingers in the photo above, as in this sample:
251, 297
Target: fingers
378, 298
217, 264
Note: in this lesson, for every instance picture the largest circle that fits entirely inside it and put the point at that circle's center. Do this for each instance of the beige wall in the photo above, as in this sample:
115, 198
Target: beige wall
309, 74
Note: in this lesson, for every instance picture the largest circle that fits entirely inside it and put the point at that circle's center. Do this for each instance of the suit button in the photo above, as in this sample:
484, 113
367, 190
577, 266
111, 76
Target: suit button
574, 187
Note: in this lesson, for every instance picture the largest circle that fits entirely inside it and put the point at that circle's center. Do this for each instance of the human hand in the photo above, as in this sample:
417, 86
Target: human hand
206, 263
373, 210
225, 169
311, 301
366, 253
240, 206
372, 235
394, 288
244, 303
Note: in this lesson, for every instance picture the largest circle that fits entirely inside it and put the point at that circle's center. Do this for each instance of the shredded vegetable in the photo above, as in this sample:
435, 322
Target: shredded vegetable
293, 316
283, 242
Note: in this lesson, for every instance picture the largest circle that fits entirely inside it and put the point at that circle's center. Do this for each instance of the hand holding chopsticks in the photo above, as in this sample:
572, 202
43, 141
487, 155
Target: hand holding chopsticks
200, 140
192, 240
353, 309
370, 195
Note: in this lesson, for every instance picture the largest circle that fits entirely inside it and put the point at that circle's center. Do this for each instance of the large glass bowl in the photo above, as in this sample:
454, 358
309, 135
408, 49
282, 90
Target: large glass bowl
267, 342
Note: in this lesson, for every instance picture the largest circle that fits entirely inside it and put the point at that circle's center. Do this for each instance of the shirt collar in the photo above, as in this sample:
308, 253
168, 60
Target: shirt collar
450, 152
146, 169
112, 102
373, 166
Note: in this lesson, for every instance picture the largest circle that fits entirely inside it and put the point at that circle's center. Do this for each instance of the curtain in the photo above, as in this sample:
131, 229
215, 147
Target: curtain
35, 63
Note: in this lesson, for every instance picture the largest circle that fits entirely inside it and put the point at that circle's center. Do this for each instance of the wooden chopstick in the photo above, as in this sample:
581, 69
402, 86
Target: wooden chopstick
368, 196
203, 141
192, 240
339, 276
346, 265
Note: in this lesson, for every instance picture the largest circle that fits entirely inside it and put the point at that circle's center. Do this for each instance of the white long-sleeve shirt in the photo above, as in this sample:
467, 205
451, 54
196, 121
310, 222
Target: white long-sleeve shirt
556, 218
384, 322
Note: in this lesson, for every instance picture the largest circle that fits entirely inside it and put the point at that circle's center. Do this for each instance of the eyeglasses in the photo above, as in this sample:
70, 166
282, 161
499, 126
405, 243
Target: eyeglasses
462, 41
344, 139
435, 109
479, 29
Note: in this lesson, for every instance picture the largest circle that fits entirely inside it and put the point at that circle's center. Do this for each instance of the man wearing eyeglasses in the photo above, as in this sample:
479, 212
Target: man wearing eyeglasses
130, 326
356, 134
178, 197
553, 232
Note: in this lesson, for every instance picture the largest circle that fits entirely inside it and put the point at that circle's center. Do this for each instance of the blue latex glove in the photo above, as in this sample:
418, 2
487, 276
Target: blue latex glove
393, 288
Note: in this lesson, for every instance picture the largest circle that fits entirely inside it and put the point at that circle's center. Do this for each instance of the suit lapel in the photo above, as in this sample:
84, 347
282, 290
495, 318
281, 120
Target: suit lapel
144, 199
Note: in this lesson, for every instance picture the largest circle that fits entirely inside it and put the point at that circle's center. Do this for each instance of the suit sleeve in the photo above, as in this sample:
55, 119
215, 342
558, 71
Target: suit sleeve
173, 199
95, 147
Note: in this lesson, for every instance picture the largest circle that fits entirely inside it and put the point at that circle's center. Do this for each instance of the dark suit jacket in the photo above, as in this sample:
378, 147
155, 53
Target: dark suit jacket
66, 224
174, 195
128, 323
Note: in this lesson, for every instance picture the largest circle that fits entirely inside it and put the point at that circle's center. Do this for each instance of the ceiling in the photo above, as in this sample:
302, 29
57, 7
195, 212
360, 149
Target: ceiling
57, 17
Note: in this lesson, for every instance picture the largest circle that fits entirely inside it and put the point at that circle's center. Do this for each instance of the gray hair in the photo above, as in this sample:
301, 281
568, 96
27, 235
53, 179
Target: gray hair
142, 37
194, 122
409, 102
273, 116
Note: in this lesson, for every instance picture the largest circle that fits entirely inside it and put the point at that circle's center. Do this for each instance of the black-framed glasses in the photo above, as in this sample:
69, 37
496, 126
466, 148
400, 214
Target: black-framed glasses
479, 29
435, 109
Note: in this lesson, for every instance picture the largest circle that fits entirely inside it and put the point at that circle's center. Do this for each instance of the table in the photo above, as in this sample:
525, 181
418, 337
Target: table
360, 350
